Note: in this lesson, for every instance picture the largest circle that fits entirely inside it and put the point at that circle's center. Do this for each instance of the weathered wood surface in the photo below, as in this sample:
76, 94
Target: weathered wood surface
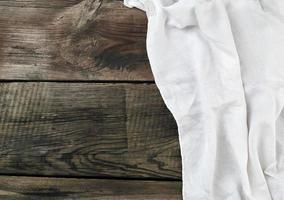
72, 40
85, 129
27, 188
81, 129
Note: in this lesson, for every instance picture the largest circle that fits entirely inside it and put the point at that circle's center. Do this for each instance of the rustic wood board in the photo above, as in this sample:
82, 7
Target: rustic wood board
29, 188
72, 40
88, 130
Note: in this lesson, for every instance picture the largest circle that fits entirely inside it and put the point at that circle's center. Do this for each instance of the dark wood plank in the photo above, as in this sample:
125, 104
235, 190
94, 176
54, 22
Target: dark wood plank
84, 129
28, 188
72, 40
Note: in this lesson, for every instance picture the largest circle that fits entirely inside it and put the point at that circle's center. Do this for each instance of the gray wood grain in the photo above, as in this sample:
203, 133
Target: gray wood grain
29, 188
72, 40
89, 130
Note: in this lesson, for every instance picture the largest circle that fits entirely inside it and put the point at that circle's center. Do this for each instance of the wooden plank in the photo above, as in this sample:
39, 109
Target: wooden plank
72, 40
85, 129
29, 188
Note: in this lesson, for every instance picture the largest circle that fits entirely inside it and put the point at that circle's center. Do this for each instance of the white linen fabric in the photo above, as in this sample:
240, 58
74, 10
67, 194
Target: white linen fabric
219, 66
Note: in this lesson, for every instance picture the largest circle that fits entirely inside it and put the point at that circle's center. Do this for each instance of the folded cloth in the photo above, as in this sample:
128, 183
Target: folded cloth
218, 66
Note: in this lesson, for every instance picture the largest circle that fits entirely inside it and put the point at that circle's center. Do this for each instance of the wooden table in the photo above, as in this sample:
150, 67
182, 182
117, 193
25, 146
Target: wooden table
80, 114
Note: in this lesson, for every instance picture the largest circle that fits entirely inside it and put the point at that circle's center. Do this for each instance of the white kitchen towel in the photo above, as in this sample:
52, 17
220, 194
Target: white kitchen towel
218, 66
